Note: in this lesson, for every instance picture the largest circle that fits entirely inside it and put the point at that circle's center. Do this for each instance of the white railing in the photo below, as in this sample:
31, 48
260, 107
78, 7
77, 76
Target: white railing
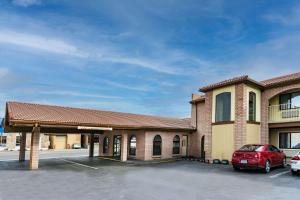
283, 113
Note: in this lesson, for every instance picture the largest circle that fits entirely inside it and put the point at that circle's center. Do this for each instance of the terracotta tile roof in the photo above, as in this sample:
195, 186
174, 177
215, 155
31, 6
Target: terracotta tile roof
57, 115
281, 79
231, 81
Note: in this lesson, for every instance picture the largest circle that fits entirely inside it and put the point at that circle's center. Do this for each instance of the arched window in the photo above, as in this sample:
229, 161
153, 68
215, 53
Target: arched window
105, 145
176, 145
252, 106
223, 107
157, 146
132, 146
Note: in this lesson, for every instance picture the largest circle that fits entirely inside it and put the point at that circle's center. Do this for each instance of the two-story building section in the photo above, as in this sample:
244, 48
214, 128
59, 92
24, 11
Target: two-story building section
242, 111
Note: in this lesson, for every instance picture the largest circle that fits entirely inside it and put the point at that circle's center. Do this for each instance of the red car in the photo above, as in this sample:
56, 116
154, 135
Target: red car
258, 156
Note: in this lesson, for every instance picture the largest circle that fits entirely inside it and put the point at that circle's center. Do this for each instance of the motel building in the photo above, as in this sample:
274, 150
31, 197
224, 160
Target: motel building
224, 116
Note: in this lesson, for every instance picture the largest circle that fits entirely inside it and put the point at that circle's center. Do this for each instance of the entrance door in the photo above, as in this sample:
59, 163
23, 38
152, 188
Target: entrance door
184, 145
117, 146
202, 147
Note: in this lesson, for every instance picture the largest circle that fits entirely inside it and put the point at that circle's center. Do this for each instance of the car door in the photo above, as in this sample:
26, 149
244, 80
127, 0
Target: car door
272, 155
278, 155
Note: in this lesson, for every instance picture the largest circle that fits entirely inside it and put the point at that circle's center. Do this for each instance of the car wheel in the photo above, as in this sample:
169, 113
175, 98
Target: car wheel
294, 172
267, 168
236, 168
282, 164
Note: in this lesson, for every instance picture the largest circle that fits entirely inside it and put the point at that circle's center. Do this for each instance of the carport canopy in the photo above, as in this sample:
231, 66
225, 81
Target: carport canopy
37, 118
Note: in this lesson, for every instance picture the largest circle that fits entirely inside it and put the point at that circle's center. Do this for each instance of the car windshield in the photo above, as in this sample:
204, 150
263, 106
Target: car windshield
251, 148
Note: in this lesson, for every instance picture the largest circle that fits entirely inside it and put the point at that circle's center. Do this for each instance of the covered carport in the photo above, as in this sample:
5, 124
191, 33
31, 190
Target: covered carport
36, 119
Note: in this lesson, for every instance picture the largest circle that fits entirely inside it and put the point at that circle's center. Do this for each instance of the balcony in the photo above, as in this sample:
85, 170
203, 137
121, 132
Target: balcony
283, 113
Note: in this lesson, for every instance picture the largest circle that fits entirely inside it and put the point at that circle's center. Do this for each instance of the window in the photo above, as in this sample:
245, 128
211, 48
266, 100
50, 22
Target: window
18, 140
289, 140
257, 148
157, 146
289, 101
252, 106
105, 145
223, 107
176, 145
3, 139
132, 146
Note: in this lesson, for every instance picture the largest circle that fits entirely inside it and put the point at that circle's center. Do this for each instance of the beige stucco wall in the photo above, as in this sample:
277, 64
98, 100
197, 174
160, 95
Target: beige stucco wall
253, 134
222, 141
230, 89
73, 139
258, 101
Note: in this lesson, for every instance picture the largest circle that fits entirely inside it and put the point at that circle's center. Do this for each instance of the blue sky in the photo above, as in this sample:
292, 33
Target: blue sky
140, 56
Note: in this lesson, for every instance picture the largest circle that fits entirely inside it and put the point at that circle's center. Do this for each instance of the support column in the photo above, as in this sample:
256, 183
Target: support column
92, 141
22, 147
34, 148
124, 146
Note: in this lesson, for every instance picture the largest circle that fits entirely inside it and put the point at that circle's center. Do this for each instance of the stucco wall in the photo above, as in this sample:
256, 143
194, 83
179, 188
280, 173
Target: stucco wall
222, 141
253, 134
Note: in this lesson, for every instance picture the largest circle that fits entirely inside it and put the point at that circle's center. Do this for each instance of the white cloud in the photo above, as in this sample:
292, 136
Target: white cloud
290, 18
38, 42
26, 3
141, 88
78, 94
3, 72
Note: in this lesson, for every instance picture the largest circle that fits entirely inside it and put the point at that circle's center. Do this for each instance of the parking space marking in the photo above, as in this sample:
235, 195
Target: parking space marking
279, 174
79, 164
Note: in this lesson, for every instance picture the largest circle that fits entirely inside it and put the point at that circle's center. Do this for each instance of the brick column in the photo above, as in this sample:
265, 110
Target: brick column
264, 126
240, 125
92, 142
34, 148
22, 147
124, 146
208, 127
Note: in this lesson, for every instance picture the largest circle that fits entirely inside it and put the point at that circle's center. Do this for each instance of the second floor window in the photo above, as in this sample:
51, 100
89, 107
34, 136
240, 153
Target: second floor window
252, 106
223, 107
289, 101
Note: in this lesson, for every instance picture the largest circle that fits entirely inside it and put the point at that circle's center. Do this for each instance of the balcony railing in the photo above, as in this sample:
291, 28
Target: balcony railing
284, 113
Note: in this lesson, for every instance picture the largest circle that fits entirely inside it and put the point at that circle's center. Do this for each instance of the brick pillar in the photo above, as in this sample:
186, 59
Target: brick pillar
34, 148
240, 125
124, 146
208, 127
92, 142
85, 141
22, 147
264, 126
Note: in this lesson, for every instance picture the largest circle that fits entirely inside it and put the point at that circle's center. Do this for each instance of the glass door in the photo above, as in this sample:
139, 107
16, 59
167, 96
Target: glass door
117, 146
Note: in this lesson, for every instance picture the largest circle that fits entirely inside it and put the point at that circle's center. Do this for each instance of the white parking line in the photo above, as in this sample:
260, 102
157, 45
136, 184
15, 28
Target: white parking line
279, 174
79, 164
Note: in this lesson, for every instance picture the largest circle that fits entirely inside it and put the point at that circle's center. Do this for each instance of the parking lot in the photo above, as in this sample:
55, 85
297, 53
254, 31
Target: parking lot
84, 178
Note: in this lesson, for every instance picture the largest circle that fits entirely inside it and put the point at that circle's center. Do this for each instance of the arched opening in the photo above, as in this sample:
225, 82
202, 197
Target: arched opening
202, 147
176, 145
157, 145
105, 145
132, 146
